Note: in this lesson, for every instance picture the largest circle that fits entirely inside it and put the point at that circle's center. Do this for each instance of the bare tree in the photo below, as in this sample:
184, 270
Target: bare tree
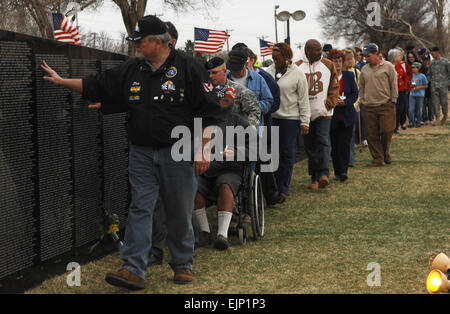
36, 14
17, 20
402, 22
442, 33
40, 13
133, 10
104, 41
123, 45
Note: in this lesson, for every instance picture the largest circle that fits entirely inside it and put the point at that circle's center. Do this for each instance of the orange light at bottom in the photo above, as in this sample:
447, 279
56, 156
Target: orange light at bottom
437, 281
434, 281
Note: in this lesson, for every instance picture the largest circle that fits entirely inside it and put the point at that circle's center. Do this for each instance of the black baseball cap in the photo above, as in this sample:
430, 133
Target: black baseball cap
239, 46
148, 25
172, 30
327, 47
434, 49
237, 58
214, 63
369, 48
421, 51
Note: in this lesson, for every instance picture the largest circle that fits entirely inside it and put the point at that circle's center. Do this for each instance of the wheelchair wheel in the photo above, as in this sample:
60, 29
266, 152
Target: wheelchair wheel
256, 206
242, 235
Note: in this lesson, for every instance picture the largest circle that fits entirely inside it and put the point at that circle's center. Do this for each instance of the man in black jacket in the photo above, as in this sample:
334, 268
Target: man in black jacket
163, 89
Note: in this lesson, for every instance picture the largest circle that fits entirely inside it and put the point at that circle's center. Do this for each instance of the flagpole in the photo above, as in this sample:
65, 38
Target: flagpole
228, 44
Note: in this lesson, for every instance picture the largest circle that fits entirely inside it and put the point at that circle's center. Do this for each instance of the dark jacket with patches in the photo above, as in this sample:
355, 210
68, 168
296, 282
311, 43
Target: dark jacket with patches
156, 101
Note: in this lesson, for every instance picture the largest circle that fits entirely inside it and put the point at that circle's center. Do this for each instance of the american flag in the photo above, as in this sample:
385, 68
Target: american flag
64, 30
266, 48
209, 41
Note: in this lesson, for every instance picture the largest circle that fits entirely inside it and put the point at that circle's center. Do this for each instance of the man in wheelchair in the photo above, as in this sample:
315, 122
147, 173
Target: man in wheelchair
221, 182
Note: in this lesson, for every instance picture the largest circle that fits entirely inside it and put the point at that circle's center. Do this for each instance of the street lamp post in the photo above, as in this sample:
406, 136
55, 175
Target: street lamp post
288, 38
285, 17
276, 26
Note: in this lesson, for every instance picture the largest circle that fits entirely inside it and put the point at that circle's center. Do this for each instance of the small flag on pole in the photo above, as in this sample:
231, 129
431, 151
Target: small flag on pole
266, 48
209, 41
64, 30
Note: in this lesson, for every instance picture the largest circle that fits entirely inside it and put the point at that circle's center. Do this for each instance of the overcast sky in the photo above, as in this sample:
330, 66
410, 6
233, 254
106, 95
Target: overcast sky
246, 19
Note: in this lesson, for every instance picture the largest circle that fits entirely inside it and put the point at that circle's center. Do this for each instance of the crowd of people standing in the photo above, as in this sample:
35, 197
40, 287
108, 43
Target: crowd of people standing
333, 98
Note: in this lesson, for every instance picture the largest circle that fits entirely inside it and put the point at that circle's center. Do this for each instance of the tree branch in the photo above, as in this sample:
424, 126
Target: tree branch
410, 34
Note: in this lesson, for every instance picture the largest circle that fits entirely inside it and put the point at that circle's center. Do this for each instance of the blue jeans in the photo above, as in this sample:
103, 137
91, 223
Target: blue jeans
415, 109
289, 130
153, 173
318, 148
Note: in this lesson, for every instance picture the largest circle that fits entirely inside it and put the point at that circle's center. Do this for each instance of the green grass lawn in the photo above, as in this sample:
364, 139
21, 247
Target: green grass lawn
321, 242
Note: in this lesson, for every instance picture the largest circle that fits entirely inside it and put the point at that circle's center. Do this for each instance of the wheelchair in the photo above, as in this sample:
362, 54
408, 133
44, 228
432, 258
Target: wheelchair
249, 206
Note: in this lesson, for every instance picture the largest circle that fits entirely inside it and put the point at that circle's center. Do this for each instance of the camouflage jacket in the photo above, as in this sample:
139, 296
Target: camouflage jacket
439, 73
246, 103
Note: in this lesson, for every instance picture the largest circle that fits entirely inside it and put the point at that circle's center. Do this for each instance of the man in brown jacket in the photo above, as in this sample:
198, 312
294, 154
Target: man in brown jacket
379, 93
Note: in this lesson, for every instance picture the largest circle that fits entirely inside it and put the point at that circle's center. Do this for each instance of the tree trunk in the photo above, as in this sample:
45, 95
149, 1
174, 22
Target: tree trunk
40, 11
441, 34
39, 14
131, 11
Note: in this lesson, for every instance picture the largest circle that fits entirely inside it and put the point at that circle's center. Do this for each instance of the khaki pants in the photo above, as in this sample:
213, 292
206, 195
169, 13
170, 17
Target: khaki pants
380, 124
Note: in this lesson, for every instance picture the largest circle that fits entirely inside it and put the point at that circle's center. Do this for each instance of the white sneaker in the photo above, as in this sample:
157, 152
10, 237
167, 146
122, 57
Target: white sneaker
365, 144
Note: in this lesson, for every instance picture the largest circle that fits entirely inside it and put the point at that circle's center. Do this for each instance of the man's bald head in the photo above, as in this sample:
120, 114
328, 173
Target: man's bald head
313, 50
312, 43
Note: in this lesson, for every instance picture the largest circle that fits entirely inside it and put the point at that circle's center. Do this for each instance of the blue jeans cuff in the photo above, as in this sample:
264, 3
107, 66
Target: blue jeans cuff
186, 266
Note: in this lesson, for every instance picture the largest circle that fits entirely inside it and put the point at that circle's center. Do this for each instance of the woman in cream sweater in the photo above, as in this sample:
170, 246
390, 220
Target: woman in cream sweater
294, 113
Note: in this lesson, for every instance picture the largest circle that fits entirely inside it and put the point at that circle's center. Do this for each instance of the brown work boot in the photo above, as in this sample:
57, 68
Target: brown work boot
388, 159
444, 120
323, 182
183, 276
126, 279
314, 186
375, 163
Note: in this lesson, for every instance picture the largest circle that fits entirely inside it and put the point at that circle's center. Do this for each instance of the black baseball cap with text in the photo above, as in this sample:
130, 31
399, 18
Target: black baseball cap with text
148, 25
237, 58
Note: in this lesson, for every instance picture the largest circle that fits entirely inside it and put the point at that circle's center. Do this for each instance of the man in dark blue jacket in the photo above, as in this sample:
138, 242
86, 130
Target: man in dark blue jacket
270, 187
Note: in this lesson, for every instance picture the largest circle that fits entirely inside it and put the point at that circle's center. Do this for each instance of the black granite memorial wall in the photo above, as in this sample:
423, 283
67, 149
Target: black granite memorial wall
60, 162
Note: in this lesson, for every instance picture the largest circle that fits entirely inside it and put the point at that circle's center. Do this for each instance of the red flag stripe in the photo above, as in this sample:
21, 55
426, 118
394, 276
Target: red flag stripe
65, 31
